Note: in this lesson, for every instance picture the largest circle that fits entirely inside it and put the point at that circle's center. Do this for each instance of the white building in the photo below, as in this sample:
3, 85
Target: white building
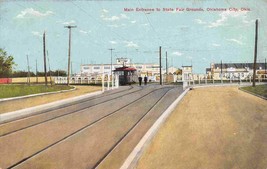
151, 70
235, 70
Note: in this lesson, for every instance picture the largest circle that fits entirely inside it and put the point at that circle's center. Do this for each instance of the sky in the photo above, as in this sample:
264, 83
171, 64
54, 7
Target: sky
196, 35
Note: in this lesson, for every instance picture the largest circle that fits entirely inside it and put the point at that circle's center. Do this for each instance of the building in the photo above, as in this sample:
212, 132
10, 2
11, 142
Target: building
151, 70
235, 71
187, 73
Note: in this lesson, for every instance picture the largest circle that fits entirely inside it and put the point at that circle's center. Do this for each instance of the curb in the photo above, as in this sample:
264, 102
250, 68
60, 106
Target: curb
28, 111
34, 95
219, 85
133, 158
262, 97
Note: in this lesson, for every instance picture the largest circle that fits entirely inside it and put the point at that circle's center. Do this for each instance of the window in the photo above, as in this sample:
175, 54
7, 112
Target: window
106, 67
86, 67
96, 67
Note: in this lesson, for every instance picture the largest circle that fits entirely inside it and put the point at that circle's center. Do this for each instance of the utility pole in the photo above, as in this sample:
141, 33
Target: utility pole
221, 72
255, 54
71, 70
44, 59
265, 67
36, 71
29, 76
69, 27
111, 59
49, 69
160, 75
166, 63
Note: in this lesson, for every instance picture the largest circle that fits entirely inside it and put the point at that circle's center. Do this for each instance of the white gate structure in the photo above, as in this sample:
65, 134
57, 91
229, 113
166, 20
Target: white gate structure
108, 82
204, 79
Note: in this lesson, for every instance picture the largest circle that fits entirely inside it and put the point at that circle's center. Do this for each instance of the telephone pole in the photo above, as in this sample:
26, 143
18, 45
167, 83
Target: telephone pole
49, 69
265, 67
255, 53
69, 27
36, 72
222, 73
111, 59
160, 75
44, 59
71, 70
166, 63
29, 76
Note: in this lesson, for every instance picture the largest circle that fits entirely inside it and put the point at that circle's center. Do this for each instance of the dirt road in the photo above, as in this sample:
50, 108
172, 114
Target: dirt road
222, 128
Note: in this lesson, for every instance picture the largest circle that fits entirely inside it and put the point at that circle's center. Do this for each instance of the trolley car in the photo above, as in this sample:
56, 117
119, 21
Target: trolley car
127, 75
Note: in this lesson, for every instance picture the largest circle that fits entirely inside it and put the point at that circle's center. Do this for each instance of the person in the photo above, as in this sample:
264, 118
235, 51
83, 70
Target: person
145, 79
140, 80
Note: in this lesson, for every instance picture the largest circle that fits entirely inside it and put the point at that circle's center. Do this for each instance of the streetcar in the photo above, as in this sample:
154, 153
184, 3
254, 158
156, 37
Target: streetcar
127, 75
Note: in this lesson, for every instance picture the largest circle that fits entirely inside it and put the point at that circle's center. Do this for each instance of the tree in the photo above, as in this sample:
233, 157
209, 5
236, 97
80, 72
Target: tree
20, 73
6, 63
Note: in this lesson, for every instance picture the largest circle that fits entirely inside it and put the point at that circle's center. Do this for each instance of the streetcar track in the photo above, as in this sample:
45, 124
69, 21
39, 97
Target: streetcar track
84, 128
72, 112
126, 134
62, 106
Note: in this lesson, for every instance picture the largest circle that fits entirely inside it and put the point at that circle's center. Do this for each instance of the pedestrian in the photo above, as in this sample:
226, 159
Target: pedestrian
140, 80
145, 79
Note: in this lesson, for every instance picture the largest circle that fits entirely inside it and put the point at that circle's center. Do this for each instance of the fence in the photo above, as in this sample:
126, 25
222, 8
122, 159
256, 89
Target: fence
107, 81
198, 80
5, 80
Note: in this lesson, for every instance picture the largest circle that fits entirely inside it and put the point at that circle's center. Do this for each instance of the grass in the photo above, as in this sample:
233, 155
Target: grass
259, 90
7, 91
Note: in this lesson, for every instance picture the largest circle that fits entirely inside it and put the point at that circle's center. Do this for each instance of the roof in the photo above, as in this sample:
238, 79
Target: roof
238, 65
125, 69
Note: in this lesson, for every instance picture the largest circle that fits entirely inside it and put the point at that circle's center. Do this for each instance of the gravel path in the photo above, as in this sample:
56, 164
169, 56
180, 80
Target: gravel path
218, 127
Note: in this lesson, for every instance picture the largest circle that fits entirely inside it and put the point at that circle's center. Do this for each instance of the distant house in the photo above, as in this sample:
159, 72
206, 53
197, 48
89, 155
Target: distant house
235, 70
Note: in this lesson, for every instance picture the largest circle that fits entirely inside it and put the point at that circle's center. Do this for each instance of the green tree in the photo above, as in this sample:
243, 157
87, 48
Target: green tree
6, 63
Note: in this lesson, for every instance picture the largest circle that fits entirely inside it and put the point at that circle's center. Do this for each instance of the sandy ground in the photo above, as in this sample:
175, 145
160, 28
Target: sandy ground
13, 105
222, 128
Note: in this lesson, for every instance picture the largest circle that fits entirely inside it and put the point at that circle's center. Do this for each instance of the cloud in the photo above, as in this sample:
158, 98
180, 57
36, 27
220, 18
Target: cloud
177, 53
130, 44
113, 42
145, 24
105, 11
113, 26
133, 21
114, 17
123, 16
30, 12
199, 21
38, 34
236, 41
116, 25
216, 45
224, 16
84, 32
69, 22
